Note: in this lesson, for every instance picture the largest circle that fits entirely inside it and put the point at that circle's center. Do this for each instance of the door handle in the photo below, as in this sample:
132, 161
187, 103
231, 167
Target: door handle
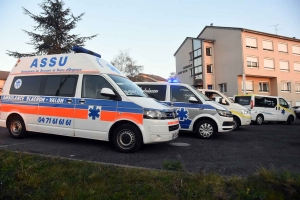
69, 100
82, 101
276, 108
201, 108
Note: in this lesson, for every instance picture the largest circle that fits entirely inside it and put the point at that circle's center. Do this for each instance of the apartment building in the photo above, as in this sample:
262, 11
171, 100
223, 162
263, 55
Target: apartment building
3, 77
270, 63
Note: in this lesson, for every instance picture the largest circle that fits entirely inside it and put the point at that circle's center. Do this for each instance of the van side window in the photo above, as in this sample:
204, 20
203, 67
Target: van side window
270, 102
92, 86
181, 94
259, 102
155, 91
26, 85
283, 103
60, 85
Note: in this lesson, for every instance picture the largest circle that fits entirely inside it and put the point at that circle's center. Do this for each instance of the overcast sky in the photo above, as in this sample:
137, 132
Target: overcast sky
151, 30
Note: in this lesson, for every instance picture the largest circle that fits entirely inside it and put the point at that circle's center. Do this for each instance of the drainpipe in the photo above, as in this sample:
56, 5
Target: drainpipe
244, 76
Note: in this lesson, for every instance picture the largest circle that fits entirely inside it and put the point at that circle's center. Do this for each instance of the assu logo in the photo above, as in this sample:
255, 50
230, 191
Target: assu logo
51, 62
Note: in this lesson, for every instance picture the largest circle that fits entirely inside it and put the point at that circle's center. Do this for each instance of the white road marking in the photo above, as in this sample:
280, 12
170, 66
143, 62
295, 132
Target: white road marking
8, 145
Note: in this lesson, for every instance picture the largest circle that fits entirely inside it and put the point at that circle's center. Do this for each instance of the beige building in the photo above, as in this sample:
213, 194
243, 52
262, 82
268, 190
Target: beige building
3, 77
271, 63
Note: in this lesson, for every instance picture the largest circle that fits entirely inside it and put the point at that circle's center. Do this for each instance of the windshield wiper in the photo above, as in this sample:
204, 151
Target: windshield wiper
135, 95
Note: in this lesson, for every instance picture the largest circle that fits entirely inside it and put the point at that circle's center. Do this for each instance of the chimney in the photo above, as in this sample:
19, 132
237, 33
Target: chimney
211, 24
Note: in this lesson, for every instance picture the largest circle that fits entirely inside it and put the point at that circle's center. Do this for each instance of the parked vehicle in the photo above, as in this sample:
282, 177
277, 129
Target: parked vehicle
82, 95
195, 111
241, 115
297, 111
266, 108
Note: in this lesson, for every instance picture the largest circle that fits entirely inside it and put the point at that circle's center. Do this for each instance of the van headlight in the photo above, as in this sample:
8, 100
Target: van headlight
154, 114
244, 111
224, 113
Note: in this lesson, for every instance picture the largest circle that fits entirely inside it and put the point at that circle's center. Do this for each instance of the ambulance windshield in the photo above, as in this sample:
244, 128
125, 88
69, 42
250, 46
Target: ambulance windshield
128, 87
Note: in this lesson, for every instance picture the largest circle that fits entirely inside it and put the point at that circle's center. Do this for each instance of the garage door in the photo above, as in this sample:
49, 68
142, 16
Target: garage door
297, 103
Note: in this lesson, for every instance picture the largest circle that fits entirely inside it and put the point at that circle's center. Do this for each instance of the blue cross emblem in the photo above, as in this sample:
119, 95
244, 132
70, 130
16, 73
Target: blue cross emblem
94, 112
282, 111
182, 114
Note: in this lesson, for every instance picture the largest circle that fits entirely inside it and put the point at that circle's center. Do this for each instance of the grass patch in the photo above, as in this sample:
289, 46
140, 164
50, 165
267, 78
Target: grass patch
24, 176
173, 165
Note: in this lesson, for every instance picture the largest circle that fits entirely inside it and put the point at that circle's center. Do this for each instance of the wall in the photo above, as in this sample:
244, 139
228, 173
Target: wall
183, 59
228, 62
208, 79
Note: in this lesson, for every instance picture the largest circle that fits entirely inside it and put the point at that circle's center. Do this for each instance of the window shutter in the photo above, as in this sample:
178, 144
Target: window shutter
296, 49
267, 45
252, 59
251, 42
269, 63
284, 65
249, 86
282, 47
297, 66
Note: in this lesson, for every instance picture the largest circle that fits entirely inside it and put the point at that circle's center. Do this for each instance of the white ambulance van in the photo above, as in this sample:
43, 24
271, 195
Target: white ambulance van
195, 111
266, 108
81, 95
241, 115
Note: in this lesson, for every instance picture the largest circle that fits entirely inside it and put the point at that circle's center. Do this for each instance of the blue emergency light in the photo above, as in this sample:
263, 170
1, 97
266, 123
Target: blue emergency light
78, 49
173, 80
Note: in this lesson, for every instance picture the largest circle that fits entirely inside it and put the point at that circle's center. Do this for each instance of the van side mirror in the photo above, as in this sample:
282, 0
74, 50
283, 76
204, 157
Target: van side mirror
193, 100
107, 92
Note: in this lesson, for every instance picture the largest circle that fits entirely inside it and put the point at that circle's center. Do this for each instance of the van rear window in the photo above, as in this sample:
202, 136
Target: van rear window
243, 100
26, 85
155, 91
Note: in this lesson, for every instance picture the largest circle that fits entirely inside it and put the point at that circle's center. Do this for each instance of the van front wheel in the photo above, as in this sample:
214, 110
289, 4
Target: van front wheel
259, 119
206, 129
16, 127
127, 138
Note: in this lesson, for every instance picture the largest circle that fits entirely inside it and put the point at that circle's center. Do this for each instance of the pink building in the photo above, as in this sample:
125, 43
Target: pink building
271, 63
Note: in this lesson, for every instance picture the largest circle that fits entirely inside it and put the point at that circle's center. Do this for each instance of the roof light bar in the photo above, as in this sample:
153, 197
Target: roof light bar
78, 49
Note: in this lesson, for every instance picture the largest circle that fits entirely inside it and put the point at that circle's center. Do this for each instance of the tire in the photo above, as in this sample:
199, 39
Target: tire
206, 129
290, 120
259, 119
16, 127
127, 138
236, 122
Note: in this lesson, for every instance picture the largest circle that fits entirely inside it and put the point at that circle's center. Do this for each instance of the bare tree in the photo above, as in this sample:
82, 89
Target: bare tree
125, 64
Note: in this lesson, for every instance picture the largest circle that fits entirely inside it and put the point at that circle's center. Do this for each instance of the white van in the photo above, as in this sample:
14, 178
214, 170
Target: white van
81, 95
266, 108
241, 115
194, 110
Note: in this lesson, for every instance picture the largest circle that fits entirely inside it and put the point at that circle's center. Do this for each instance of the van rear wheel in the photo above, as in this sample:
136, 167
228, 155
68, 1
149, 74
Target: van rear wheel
16, 127
206, 129
290, 120
127, 138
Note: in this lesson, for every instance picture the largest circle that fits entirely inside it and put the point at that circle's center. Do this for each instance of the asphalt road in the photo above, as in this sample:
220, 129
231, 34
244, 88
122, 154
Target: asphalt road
240, 152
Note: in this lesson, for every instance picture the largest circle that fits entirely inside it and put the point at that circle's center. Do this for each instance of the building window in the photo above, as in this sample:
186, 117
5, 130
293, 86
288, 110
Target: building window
208, 51
297, 67
210, 87
285, 86
198, 70
197, 62
223, 87
282, 47
252, 62
191, 72
263, 87
267, 45
297, 87
209, 69
197, 48
284, 65
251, 43
296, 50
249, 86
191, 55
268, 63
